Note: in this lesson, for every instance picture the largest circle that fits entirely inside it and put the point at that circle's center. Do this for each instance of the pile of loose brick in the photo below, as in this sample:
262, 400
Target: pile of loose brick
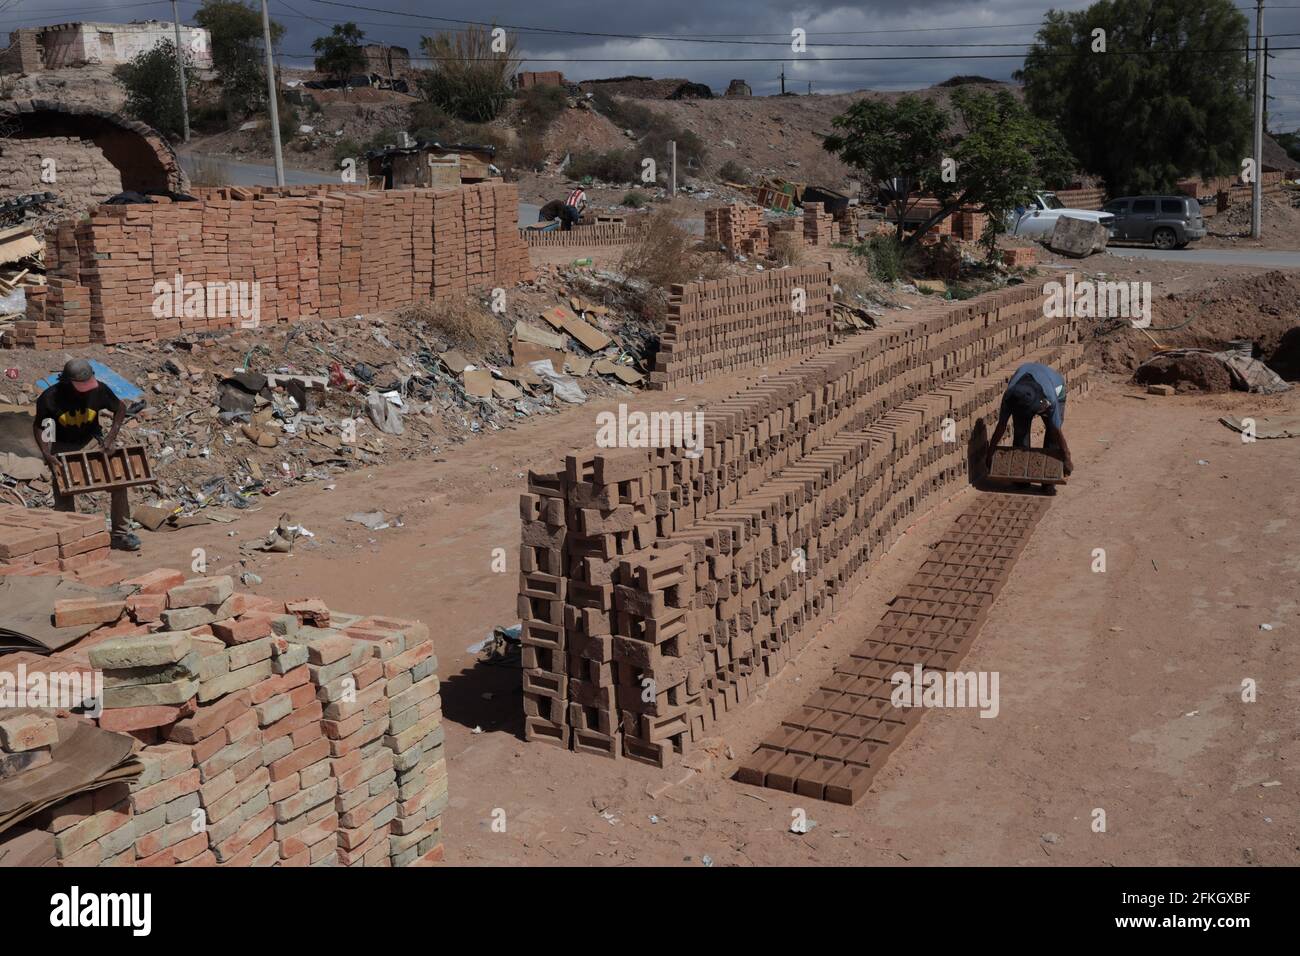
271, 733
659, 589
39, 541
724, 325
738, 228
312, 253
833, 746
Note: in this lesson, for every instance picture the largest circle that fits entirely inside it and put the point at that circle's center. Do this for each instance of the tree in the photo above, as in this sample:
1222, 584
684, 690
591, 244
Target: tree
237, 53
470, 73
1168, 98
153, 95
339, 54
1001, 156
1290, 142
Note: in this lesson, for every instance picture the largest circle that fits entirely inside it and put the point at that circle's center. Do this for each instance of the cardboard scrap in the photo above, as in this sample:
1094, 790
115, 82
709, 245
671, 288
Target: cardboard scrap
505, 391
526, 333
525, 353
478, 383
455, 361
579, 366
628, 375
591, 338
558, 317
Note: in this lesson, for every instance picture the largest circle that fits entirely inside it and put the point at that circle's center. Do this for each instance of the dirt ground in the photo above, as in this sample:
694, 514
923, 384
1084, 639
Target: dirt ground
1122, 689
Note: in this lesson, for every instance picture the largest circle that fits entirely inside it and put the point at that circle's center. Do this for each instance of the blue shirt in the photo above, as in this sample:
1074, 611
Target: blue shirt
1053, 385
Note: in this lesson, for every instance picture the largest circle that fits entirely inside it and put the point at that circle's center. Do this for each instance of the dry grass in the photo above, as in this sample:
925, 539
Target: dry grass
663, 256
208, 170
463, 322
786, 249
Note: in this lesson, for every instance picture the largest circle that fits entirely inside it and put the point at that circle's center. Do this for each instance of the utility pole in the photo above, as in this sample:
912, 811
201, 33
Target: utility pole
783, 79
180, 73
672, 162
270, 89
1256, 192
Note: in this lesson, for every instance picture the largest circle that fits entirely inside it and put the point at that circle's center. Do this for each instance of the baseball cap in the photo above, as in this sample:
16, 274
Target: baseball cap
80, 374
1026, 396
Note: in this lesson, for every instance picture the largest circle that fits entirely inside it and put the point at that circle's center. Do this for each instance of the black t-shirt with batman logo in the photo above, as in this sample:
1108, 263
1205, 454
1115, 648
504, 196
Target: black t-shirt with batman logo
76, 414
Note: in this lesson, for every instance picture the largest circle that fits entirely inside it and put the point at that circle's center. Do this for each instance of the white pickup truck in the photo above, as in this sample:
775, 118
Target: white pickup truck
1038, 218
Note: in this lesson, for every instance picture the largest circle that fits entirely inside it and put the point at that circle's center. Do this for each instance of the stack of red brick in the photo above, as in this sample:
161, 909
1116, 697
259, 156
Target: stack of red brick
738, 228
1020, 257
721, 325
40, 541
969, 223
272, 733
819, 227
593, 234
660, 589
139, 273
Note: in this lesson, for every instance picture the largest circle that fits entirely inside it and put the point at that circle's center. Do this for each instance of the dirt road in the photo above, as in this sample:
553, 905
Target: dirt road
1119, 690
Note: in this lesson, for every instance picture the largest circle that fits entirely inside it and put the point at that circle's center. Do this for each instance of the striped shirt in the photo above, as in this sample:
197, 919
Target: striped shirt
577, 198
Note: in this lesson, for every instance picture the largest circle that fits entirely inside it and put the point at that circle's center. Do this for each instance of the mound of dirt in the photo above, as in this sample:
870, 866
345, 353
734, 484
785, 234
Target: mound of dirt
1262, 308
1195, 372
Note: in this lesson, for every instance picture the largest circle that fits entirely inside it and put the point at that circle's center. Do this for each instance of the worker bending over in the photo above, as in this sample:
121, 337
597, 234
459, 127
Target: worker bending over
1036, 390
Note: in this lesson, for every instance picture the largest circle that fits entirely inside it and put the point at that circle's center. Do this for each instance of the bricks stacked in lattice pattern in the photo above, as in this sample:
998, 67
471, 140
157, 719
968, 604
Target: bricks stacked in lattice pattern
737, 227
592, 234
721, 325
819, 227
241, 256
697, 577
42, 541
833, 746
1020, 257
272, 733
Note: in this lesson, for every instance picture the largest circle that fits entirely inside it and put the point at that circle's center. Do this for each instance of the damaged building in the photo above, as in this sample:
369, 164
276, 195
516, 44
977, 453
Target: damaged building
32, 49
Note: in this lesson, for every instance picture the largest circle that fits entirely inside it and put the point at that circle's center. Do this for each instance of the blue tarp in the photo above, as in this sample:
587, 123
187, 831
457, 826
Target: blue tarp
120, 386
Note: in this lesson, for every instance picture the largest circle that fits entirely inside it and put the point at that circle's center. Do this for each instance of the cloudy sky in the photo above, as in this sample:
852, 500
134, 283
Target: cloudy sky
693, 39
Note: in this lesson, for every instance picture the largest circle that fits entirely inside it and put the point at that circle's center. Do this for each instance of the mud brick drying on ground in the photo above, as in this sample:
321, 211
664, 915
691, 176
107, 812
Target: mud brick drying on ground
304, 253
40, 541
721, 325
832, 746
1027, 464
658, 590
271, 733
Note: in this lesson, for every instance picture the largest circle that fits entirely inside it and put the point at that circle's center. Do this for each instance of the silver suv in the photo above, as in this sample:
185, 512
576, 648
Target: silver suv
1168, 222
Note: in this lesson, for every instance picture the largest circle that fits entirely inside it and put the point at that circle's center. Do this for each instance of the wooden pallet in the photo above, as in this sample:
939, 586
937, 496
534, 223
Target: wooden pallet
81, 472
1027, 464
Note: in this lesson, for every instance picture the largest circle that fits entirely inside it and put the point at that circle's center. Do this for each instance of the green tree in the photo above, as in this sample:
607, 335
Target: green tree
1000, 157
470, 72
339, 54
237, 54
153, 95
1290, 142
1169, 97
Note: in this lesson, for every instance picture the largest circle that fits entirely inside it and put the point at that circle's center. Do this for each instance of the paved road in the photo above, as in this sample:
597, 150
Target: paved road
1269, 258
258, 174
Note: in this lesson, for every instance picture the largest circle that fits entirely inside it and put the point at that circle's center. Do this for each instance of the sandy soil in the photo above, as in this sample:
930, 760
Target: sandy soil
1119, 690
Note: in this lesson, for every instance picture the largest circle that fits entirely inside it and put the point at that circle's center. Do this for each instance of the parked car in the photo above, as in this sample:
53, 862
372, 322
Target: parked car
1038, 218
1168, 222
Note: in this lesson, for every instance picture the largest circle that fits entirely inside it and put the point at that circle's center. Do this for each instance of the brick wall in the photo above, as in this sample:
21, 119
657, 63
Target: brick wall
723, 325
698, 577
303, 253
23, 54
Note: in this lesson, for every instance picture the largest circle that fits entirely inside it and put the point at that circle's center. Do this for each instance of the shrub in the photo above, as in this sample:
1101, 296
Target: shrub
786, 249
635, 199
152, 94
884, 257
733, 172
540, 106
346, 148
469, 79
614, 166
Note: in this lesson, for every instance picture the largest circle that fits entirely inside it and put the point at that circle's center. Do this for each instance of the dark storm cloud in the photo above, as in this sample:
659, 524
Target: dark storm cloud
931, 22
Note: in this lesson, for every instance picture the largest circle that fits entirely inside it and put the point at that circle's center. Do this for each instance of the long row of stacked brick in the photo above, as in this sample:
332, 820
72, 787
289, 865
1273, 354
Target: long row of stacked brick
272, 733
139, 273
595, 234
660, 588
722, 325
833, 746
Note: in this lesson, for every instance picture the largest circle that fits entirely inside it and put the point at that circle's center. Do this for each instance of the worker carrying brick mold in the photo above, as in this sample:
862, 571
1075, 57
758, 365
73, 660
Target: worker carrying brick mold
68, 416
1036, 391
